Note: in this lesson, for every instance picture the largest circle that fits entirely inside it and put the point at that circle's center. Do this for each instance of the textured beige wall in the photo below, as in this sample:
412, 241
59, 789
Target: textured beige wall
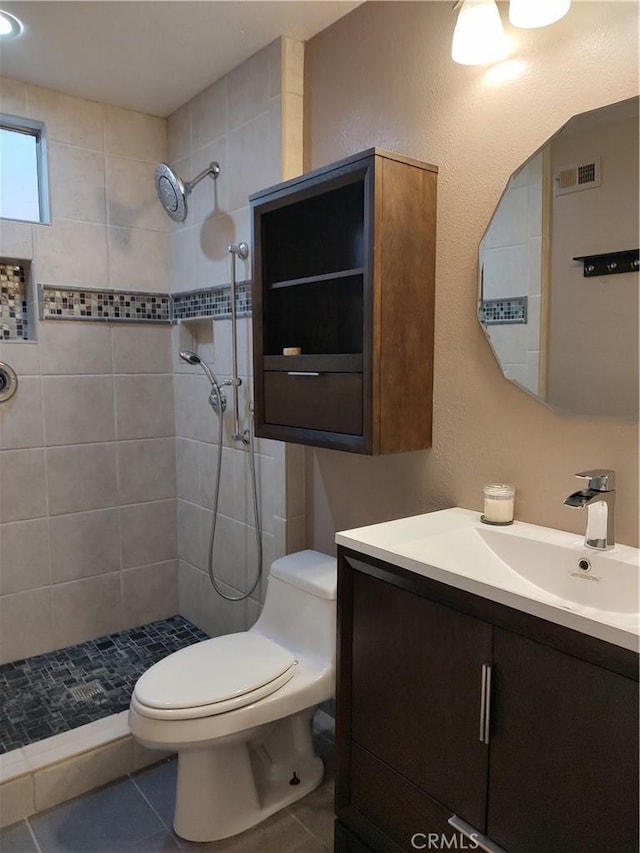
383, 76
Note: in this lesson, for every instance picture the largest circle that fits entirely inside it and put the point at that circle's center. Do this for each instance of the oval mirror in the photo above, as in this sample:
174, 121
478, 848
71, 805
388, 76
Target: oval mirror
558, 268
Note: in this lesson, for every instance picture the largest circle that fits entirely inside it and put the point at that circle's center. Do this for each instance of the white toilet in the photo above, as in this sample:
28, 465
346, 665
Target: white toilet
238, 709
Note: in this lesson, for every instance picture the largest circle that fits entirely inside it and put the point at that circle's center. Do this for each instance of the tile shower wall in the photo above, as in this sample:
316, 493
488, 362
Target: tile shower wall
87, 445
250, 122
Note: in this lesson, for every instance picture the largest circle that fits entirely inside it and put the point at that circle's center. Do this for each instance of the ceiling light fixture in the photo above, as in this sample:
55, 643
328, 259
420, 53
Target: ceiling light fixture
478, 37
530, 14
10, 26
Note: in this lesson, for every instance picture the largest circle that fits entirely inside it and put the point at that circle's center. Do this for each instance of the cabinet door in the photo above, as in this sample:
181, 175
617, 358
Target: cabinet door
416, 692
564, 753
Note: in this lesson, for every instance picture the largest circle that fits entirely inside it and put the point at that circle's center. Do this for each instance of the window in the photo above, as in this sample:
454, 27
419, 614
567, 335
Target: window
24, 191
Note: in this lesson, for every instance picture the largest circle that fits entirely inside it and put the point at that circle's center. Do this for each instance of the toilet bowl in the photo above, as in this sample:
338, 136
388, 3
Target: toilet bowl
238, 709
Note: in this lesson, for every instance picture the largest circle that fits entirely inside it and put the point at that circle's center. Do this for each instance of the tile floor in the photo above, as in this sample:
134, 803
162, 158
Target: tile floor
37, 694
134, 815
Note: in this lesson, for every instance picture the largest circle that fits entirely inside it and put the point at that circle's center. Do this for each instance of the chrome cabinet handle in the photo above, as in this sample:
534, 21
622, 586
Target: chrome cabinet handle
480, 841
302, 373
485, 703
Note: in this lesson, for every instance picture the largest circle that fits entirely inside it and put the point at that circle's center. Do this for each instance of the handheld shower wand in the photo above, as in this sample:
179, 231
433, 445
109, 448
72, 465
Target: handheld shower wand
241, 250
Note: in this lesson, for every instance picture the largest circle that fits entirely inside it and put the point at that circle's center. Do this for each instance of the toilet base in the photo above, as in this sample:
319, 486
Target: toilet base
229, 787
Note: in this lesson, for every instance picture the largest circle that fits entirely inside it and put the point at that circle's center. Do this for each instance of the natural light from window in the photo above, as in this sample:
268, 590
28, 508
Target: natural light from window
19, 175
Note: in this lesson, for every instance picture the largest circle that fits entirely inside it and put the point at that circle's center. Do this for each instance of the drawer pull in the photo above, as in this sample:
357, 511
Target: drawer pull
480, 841
485, 703
302, 373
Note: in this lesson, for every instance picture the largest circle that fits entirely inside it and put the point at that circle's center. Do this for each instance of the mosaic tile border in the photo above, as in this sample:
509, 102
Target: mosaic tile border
107, 306
503, 312
58, 691
14, 313
211, 302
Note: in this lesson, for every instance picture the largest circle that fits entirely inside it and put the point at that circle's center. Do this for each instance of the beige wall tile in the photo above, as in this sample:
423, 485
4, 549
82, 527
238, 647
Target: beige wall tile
77, 182
209, 115
212, 257
230, 501
189, 534
131, 195
150, 593
13, 97
188, 470
182, 254
87, 608
219, 616
248, 88
141, 349
148, 533
68, 119
21, 416
61, 782
24, 555
133, 134
75, 348
295, 484
230, 549
81, 477
179, 133
16, 800
23, 356
78, 409
146, 470
22, 485
84, 544
211, 196
138, 260
16, 240
25, 624
254, 156
71, 253
144, 406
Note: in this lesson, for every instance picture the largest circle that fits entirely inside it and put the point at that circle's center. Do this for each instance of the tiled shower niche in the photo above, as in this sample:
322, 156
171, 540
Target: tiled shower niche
14, 304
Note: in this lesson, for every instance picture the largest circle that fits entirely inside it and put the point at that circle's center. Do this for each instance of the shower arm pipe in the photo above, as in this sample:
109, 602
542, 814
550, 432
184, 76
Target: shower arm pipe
212, 169
241, 250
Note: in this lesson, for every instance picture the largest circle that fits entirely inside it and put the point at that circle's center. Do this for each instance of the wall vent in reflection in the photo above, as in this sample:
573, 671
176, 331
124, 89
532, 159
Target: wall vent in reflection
574, 178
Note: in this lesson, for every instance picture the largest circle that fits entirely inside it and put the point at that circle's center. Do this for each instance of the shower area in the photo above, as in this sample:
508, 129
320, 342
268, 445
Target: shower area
111, 457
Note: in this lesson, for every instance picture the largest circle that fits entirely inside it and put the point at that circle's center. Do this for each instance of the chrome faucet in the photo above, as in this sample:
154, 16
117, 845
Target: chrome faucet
599, 498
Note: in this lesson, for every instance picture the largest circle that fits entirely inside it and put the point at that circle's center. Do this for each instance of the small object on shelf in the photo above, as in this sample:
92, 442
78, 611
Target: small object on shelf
498, 503
610, 263
291, 351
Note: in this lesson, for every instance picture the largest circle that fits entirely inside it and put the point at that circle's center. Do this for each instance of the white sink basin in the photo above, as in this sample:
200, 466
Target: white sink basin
546, 572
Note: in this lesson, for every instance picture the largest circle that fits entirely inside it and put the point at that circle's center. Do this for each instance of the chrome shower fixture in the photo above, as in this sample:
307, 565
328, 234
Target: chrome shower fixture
173, 191
217, 397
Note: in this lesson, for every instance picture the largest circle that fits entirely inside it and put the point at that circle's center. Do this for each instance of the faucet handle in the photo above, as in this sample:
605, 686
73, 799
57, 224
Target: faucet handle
600, 479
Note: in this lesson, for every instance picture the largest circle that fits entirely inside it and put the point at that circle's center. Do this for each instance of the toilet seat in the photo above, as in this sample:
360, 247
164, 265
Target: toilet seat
213, 677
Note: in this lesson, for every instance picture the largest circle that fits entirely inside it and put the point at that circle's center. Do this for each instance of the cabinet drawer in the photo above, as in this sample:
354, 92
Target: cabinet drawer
397, 807
329, 401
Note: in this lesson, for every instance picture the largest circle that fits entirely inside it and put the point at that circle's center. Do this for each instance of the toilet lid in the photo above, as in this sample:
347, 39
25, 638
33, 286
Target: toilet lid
217, 670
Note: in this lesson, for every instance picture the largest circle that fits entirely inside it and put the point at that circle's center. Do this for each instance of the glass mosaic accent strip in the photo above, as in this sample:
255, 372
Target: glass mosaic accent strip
112, 306
14, 324
502, 312
43, 695
211, 302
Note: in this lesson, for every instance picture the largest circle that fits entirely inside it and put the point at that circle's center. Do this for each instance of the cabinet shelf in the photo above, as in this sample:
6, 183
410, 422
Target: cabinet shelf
321, 362
316, 279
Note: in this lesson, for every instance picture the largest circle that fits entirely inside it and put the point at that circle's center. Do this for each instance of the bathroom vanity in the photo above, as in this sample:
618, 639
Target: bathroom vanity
471, 699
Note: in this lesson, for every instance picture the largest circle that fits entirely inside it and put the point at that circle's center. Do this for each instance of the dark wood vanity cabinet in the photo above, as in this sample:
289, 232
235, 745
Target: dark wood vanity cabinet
448, 704
344, 266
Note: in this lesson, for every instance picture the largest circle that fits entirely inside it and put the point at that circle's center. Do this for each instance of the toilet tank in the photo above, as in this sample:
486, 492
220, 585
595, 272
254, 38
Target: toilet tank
299, 611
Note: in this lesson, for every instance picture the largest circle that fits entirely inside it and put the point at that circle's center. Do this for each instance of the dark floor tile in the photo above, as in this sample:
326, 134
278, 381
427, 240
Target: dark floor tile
161, 842
315, 812
158, 785
17, 839
105, 821
279, 833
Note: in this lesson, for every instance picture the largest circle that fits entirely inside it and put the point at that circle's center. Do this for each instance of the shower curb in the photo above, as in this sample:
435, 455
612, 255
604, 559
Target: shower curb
36, 777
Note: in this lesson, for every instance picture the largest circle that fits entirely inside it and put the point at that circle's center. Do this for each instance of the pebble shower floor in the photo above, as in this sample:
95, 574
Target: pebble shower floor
52, 693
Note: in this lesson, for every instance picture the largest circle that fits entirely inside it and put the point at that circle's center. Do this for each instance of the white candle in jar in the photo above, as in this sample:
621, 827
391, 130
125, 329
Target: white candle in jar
498, 503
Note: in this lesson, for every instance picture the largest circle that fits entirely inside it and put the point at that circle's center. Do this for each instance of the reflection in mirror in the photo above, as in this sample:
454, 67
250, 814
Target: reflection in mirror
564, 334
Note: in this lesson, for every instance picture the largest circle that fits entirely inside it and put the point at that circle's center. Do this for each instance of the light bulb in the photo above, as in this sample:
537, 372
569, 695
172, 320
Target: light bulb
10, 26
478, 37
530, 14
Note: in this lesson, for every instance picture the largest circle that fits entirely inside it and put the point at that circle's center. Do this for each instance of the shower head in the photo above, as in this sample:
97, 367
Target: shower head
173, 191
192, 358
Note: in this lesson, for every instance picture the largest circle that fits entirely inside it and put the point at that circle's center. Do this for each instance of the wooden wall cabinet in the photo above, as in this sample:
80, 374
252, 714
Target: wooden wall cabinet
344, 267
553, 768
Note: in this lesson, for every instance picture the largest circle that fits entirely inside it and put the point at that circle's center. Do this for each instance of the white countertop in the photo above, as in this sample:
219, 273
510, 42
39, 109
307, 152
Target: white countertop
450, 546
